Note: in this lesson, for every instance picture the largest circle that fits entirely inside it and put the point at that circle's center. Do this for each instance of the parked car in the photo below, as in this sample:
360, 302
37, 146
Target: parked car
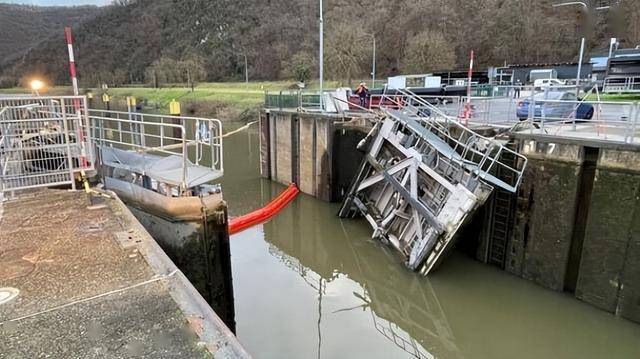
555, 106
540, 83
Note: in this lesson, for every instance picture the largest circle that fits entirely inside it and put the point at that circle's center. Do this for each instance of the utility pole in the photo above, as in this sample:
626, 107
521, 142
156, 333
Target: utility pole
612, 43
373, 66
579, 67
585, 9
321, 55
467, 110
246, 70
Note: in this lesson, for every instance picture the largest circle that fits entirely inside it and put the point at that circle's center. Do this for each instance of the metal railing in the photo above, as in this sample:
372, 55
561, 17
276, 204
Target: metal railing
43, 141
305, 99
587, 117
622, 84
613, 121
449, 105
481, 155
400, 338
197, 141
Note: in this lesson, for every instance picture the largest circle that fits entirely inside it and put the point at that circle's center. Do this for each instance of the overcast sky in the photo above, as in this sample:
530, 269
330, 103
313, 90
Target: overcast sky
58, 2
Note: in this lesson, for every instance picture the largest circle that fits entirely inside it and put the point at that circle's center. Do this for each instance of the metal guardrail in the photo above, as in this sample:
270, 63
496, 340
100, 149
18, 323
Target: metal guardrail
622, 84
43, 141
197, 141
613, 121
482, 155
449, 105
497, 106
309, 100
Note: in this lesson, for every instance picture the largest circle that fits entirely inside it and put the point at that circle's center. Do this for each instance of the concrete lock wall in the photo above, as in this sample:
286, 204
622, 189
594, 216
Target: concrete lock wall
299, 147
577, 222
201, 250
609, 276
545, 213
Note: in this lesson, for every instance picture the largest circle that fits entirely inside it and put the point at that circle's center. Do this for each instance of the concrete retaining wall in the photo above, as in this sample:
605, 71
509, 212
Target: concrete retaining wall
299, 147
577, 224
609, 276
539, 248
201, 250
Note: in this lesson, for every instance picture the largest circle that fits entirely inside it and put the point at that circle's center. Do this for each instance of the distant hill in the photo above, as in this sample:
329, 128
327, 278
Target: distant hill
171, 41
24, 27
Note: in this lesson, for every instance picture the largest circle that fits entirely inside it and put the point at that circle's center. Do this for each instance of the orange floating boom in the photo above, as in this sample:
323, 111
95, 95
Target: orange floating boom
260, 215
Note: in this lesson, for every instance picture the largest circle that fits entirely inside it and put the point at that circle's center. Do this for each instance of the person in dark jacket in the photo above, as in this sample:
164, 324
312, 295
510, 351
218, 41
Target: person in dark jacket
362, 91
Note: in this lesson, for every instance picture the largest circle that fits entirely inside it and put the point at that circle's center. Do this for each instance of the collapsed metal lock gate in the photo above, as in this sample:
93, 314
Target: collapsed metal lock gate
422, 176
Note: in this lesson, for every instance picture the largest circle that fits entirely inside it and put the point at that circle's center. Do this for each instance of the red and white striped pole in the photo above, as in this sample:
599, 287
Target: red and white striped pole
72, 61
467, 110
76, 101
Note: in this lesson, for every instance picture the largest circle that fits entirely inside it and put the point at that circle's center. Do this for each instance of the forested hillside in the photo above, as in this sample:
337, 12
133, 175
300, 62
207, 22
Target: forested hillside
23, 27
165, 41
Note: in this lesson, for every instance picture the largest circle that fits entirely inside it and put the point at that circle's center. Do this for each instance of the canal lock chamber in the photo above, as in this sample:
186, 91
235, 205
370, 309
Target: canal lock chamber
570, 227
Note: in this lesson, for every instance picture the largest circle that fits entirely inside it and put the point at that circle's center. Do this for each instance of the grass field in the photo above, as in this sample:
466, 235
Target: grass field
224, 100
615, 97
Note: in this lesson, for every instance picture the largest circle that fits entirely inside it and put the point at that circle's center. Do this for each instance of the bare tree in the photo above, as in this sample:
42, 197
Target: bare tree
347, 51
300, 66
428, 51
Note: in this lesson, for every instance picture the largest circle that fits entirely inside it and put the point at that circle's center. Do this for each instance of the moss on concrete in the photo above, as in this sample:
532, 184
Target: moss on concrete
610, 267
544, 224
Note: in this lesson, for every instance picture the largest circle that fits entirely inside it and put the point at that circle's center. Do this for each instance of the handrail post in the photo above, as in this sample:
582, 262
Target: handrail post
184, 157
67, 140
213, 143
634, 124
142, 131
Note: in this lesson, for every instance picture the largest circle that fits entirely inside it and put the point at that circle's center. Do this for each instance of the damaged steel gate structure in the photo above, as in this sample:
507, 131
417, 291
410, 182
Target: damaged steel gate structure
423, 175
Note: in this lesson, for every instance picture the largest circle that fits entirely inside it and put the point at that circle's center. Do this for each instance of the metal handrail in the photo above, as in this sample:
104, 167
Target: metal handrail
43, 141
622, 84
471, 156
140, 147
198, 132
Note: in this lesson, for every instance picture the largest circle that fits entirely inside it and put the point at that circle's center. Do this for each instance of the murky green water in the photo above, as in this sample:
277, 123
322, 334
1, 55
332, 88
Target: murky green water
309, 285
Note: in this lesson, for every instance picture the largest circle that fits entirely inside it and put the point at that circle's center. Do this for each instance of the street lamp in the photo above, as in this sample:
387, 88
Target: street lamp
36, 86
585, 8
246, 70
373, 65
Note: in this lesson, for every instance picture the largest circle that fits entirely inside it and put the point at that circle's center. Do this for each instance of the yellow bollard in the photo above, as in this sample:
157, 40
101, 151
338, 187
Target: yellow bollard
174, 110
107, 99
131, 101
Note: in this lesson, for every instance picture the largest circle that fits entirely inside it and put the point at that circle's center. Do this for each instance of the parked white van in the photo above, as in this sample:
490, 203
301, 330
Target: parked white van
535, 75
547, 83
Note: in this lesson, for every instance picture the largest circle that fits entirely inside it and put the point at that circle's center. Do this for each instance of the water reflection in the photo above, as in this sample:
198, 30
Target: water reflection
319, 249
386, 328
